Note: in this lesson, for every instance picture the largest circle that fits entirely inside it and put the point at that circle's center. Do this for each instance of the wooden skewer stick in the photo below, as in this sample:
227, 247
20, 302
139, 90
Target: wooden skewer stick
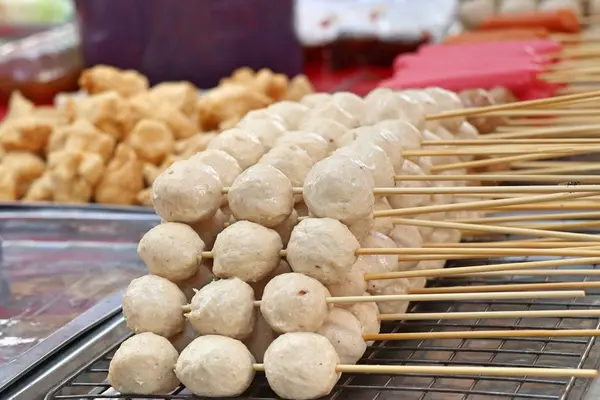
491, 315
512, 244
508, 288
455, 370
497, 252
497, 229
485, 142
545, 132
555, 170
533, 217
499, 150
553, 294
540, 112
478, 205
511, 106
546, 272
501, 177
506, 268
525, 333
549, 206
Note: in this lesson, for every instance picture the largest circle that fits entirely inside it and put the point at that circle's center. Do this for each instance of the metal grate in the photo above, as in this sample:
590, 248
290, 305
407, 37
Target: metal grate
509, 352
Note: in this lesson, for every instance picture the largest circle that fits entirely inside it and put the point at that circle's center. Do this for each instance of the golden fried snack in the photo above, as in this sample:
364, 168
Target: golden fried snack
151, 140
192, 145
144, 106
272, 84
144, 197
26, 168
108, 111
19, 106
183, 95
83, 136
224, 106
73, 175
25, 134
102, 78
299, 87
40, 189
122, 179
8, 185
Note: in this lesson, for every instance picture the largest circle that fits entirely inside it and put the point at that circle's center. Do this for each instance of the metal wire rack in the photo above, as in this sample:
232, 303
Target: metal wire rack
90, 381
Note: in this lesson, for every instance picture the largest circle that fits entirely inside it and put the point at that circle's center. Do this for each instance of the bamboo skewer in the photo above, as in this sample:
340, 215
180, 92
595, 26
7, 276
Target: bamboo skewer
550, 150
554, 170
533, 217
491, 315
512, 244
484, 141
545, 273
507, 269
501, 334
501, 177
545, 132
456, 370
509, 288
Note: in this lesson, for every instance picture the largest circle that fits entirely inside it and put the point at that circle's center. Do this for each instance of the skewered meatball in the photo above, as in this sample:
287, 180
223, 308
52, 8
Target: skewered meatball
240, 144
247, 251
407, 237
409, 136
291, 112
328, 129
447, 101
226, 166
361, 228
331, 110
378, 263
410, 200
381, 137
344, 332
382, 105
351, 103
480, 98
354, 283
374, 158
382, 224
413, 110
315, 145
294, 303
430, 106
208, 229
143, 364
393, 287
153, 304
224, 307
285, 228
187, 191
261, 194
215, 366
368, 316
322, 248
267, 130
313, 100
341, 188
501, 95
301, 366
292, 161
172, 251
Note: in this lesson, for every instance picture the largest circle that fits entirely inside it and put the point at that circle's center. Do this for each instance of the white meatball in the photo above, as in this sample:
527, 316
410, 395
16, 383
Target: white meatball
153, 304
413, 110
313, 100
187, 192
328, 129
368, 316
301, 366
467, 132
144, 364
315, 145
382, 224
378, 263
247, 251
410, 200
171, 250
285, 228
361, 228
262, 113
374, 158
353, 284
384, 139
294, 162
261, 338
407, 237
262, 194
259, 287
240, 144
203, 277
267, 130
224, 307
428, 103
209, 228
341, 188
294, 303
215, 366
384, 105
394, 287
426, 231
435, 136
444, 236
352, 104
410, 137
291, 112
344, 332
447, 101
331, 110
431, 264
323, 249
226, 166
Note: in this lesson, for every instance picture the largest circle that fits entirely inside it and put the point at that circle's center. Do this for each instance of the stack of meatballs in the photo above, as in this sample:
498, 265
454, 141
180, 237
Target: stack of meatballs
245, 268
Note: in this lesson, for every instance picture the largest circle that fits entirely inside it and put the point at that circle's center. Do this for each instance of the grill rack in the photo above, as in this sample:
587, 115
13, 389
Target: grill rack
90, 381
